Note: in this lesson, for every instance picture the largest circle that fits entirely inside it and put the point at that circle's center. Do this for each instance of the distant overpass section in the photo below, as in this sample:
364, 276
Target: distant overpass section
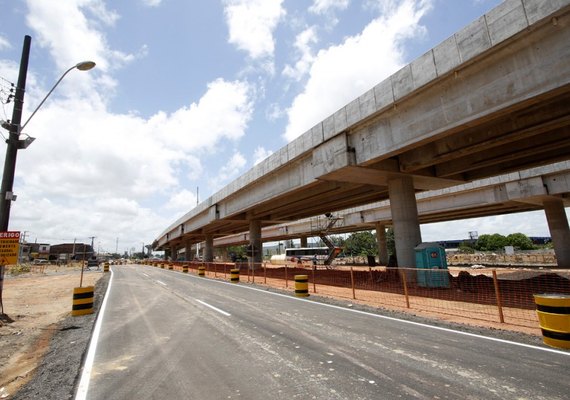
493, 98
511, 193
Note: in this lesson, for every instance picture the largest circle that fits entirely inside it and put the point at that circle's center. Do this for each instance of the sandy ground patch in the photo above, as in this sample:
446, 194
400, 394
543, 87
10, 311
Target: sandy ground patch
34, 303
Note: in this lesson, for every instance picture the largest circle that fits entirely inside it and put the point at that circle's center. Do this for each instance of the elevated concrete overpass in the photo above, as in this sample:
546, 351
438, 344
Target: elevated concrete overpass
491, 99
505, 194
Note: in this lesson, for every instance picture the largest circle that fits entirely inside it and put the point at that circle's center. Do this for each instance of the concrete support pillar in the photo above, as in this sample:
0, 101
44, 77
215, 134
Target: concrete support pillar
404, 209
382, 244
255, 240
188, 251
559, 231
167, 253
304, 241
209, 248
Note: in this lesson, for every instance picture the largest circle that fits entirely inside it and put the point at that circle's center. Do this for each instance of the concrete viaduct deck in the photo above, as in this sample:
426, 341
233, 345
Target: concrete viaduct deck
493, 98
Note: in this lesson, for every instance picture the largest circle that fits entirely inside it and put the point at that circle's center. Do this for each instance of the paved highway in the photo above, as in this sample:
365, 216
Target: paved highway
168, 335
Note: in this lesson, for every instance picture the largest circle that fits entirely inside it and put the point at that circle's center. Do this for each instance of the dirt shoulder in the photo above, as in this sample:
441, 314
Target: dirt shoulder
37, 307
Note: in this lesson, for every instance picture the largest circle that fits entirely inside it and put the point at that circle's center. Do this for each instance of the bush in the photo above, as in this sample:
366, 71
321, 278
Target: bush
19, 269
520, 241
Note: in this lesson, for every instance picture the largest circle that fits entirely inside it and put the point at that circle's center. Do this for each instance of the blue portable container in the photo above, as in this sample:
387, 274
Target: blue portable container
431, 266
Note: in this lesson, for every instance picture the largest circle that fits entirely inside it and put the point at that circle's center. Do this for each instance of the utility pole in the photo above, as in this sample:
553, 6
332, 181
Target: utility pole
92, 248
22, 241
6, 194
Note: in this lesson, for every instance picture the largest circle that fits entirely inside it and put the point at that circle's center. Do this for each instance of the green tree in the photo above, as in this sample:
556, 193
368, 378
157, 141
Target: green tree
337, 240
361, 244
520, 241
492, 242
237, 252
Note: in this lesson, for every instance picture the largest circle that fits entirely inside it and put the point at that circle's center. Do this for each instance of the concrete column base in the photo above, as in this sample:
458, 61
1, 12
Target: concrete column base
559, 231
255, 240
407, 233
209, 249
382, 244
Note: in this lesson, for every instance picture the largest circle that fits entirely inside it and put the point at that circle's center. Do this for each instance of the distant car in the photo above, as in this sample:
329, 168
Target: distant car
40, 261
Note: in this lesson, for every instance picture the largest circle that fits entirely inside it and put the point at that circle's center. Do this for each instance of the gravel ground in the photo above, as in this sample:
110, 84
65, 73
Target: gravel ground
59, 371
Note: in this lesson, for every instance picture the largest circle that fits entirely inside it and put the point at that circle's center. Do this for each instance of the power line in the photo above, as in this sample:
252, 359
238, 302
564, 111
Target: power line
7, 91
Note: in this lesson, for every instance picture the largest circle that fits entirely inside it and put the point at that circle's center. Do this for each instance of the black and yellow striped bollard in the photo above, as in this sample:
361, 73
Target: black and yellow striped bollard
185, 269
82, 301
234, 275
106, 267
554, 317
201, 271
302, 285
162, 265
170, 266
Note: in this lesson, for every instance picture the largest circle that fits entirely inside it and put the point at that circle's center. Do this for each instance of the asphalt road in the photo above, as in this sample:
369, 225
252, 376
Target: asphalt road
168, 335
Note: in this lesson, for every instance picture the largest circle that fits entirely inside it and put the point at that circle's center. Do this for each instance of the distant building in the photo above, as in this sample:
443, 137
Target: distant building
58, 252
71, 251
39, 251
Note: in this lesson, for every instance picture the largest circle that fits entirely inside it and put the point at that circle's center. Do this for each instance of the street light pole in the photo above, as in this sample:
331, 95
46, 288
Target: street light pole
6, 195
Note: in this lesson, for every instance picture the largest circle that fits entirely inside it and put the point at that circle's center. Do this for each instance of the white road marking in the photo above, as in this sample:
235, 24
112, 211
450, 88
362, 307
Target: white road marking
162, 283
88, 366
213, 308
439, 328
146, 275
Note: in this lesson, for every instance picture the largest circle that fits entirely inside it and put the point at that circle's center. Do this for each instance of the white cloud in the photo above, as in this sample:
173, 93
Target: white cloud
77, 39
343, 72
152, 3
95, 172
251, 24
303, 43
125, 155
260, 154
182, 201
274, 112
199, 126
231, 170
4, 43
323, 6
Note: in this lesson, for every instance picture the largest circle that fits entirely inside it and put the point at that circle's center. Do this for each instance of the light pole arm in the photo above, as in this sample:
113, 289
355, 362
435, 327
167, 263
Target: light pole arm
45, 98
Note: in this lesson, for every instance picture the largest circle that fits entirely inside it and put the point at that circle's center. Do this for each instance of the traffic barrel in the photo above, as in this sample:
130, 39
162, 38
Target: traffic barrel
82, 301
302, 285
554, 317
234, 275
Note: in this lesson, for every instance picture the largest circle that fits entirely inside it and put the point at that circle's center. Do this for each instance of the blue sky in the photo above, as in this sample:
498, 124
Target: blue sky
190, 94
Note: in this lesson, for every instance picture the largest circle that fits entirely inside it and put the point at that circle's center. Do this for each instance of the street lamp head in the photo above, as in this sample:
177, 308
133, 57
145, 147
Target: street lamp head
85, 65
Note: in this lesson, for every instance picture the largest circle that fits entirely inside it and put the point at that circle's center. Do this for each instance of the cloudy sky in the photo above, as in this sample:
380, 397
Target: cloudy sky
191, 94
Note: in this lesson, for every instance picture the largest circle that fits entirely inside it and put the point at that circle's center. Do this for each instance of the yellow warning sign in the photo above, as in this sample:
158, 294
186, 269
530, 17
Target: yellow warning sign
9, 247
